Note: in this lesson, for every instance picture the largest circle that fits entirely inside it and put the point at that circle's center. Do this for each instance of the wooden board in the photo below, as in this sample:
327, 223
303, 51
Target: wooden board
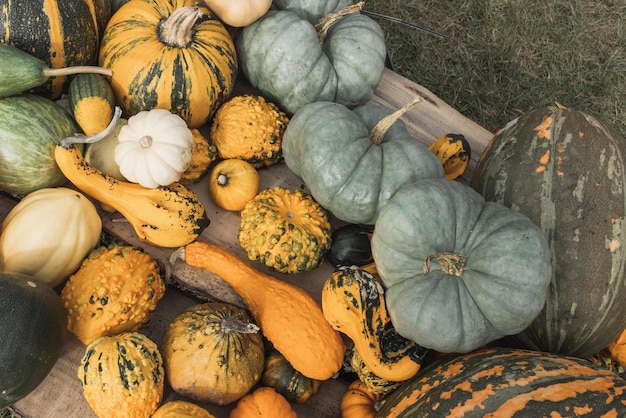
60, 395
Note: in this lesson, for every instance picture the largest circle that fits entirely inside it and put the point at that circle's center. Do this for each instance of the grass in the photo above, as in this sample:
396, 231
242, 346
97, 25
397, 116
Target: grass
501, 58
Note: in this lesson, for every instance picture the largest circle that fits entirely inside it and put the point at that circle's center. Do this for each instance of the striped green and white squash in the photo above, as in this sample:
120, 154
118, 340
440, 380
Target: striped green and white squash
31, 127
169, 54
503, 382
60, 33
564, 169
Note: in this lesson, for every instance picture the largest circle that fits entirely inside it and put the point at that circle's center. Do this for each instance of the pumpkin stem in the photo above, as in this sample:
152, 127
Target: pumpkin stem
450, 263
323, 25
68, 142
176, 30
235, 325
378, 133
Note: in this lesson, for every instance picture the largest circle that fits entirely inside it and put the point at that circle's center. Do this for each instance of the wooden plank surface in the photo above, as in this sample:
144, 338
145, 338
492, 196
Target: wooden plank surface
60, 395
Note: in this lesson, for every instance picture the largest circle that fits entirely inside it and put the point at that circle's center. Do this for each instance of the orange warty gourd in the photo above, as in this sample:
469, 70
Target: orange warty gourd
264, 402
358, 401
288, 316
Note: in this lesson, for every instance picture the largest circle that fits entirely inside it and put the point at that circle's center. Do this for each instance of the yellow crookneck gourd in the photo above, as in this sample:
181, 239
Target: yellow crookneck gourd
287, 315
353, 303
238, 13
165, 216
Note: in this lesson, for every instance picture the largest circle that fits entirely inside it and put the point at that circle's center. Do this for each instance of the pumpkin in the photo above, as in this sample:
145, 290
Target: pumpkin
59, 33
122, 375
263, 402
289, 317
312, 10
249, 128
238, 13
213, 353
354, 304
454, 152
50, 251
115, 290
503, 382
33, 334
203, 154
166, 216
458, 271
181, 409
30, 129
564, 169
280, 375
358, 401
233, 183
351, 246
293, 63
169, 54
92, 102
354, 160
154, 148
285, 229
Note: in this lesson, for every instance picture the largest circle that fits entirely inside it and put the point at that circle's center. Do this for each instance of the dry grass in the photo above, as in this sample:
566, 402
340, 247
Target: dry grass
500, 58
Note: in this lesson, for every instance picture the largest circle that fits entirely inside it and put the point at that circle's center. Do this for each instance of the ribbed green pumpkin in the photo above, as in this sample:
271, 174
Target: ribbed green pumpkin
169, 54
564, 169
60, 33
501, 382
30, 128
311, 10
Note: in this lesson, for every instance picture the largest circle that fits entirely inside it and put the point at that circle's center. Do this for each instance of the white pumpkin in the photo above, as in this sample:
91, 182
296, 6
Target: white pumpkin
48, 234
154, 148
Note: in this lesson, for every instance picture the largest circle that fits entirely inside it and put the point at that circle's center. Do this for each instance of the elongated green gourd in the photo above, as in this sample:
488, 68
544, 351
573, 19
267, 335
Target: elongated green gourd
20, 71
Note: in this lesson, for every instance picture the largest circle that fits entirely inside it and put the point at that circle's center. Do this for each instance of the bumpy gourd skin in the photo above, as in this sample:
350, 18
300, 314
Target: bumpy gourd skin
285, 229
116, 289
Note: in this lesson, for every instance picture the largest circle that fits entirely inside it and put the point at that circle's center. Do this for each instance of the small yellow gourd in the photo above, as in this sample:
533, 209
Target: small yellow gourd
353, 303
264, 402
454, 152
285, 229
116, 289
233, 183
49, 249
181, 409
288, 316
202, 156
249, 128
238, 13
122, 376
213, 353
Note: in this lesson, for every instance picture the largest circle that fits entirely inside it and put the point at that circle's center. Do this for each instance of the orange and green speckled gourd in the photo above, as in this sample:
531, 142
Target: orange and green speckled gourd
285, 229
116, 289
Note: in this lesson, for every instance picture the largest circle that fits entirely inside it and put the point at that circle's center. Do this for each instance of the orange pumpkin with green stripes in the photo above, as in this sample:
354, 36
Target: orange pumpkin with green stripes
60, 33
503, 382
169, 54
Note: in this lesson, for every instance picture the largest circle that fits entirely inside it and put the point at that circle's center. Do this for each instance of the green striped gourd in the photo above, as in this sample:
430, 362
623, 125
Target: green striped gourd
564, 169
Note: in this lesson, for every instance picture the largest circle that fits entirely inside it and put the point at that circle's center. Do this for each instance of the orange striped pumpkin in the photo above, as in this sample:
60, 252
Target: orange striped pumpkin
60, 33
503, 382
169, 54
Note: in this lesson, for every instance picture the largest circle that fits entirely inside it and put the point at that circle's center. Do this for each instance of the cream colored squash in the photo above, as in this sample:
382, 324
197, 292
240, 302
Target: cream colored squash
154, 148
48, 234
238, 13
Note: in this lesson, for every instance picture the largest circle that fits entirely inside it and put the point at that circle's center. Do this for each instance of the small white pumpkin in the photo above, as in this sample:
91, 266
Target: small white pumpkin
48, 234
154, 148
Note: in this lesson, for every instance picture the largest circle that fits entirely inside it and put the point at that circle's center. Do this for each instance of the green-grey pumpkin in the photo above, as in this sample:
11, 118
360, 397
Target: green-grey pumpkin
311, 10
281, 55
329, 147
459, 271
564, 169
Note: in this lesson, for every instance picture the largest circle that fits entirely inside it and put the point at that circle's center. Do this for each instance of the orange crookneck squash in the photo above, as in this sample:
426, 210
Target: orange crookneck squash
169, 54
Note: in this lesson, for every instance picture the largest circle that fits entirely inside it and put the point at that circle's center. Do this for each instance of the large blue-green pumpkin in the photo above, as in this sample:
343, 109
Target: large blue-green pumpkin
459, 272
564, 169
30, 128
330, 147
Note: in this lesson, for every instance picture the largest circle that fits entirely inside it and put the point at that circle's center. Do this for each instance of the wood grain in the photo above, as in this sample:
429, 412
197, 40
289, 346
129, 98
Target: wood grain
60, 395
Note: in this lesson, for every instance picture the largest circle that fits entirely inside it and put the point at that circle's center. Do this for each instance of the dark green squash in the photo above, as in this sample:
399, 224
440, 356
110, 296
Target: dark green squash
502, 382
60, 33
564, 169
33, 334
279, 374
351, 245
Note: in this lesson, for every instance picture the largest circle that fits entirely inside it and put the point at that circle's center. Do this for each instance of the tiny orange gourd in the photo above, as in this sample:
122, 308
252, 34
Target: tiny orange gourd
233, 183
263, 402
358, 401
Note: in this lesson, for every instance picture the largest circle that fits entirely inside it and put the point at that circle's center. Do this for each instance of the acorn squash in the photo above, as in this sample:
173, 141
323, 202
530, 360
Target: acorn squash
564, 169
33, 334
